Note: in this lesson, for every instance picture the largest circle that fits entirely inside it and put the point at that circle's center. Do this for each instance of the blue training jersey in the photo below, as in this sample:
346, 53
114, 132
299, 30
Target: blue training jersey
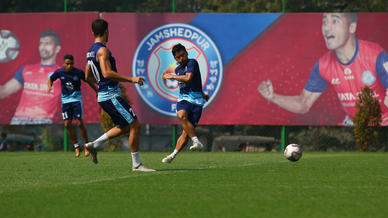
70, 83
190, 91
107, 89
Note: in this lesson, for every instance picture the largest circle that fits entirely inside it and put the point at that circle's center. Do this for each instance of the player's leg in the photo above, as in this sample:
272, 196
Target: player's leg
125, 120
73, 137
70, 131
67, 115
133, 140
84, 134
187, 126
111, 108
194, 116
78, 114
189, 115
181, 143
112, 133
134, 134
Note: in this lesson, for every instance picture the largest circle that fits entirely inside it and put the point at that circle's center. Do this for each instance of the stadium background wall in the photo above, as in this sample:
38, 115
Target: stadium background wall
257, 48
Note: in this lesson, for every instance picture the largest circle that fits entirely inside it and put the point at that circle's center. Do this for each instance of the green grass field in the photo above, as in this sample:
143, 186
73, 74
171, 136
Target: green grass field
195, 185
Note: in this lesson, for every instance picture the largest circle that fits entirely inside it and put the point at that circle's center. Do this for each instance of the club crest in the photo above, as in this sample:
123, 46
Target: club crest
153, 58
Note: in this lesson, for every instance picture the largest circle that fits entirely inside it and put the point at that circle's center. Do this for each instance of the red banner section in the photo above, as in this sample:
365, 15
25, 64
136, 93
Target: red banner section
284, 53
27, 57
236, 53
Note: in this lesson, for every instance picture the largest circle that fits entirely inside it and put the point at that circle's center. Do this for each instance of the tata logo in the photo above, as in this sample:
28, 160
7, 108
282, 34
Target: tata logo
153, 57
348, 74
347, 71
346, 96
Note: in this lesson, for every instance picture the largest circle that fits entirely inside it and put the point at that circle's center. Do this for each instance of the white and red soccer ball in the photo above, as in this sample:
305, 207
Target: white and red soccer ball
9, 46
293, 152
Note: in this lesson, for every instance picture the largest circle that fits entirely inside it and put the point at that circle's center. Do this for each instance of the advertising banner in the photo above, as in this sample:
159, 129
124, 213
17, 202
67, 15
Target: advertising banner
32, 47
258, 69
239, 52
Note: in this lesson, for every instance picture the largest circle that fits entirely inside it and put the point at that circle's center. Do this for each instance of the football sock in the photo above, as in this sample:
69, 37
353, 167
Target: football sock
135, 159
195, 139
100, 141
76, 145
175, 153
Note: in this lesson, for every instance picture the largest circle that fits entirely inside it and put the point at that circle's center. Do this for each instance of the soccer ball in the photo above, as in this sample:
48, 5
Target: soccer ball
293, 152
9, 46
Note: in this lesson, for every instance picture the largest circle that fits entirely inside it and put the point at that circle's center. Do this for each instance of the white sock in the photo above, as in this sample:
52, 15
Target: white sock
135, 159
76, 145
100, 141
175, 153
195, 139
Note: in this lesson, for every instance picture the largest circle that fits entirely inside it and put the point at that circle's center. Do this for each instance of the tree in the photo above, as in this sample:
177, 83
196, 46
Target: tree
367, 119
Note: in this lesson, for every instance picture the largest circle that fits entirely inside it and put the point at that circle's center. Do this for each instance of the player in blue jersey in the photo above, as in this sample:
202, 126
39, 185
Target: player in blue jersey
102, 65
190, 101
71, 99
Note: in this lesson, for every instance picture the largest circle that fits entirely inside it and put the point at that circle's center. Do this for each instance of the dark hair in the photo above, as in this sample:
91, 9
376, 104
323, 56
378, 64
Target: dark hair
177, 47
68, 56
352, 17
99, 26
52, 34
4, 135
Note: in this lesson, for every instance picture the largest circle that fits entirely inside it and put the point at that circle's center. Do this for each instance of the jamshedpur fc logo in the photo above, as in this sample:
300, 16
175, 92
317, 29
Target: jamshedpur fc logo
153, 57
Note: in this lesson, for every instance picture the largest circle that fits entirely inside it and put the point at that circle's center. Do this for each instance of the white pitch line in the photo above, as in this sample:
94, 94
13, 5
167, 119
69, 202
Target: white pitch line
156, 173
190, 170
139, 175
110, 179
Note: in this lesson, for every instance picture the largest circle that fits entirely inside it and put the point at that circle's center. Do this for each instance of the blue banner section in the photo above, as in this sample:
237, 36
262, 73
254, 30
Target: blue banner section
233, 32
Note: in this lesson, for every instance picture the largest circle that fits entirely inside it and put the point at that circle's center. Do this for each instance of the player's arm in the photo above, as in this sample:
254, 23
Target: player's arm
382, 72
297, 104
302, 103
49, 85
181, 78
51, 80
89, 78
108, 73
205, 96
89, 75
9, 88
13, 85
192, 67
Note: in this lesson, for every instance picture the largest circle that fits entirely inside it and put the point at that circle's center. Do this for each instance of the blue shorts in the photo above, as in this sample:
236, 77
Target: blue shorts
119, 110
72, 110
193, 111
